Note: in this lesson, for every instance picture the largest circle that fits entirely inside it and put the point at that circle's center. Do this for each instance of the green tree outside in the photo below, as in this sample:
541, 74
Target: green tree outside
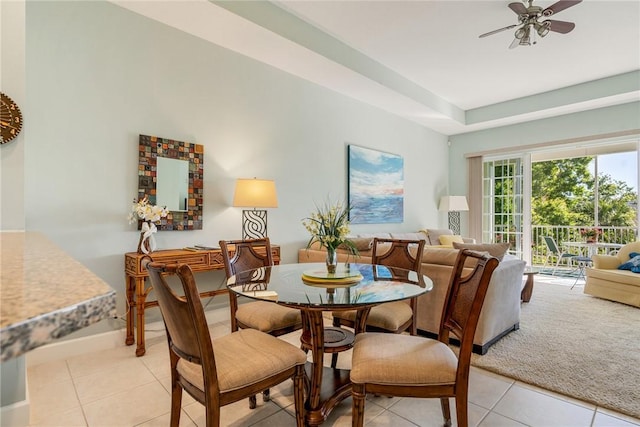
563, 194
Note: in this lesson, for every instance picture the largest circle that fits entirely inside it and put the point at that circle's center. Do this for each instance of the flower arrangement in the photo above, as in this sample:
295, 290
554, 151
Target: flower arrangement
150, 215
143, 210
329, 226
591, 234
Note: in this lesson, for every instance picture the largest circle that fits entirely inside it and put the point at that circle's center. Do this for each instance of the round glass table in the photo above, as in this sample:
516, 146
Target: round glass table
309, 288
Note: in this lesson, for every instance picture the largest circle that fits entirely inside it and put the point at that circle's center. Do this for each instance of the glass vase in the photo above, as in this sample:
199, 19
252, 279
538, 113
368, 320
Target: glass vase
332, 260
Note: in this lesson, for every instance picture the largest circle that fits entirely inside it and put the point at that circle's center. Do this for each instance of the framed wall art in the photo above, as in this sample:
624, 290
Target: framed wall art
170, 173
376, 186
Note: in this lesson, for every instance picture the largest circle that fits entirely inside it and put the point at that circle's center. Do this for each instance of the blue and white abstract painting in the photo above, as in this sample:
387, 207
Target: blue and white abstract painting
376, 186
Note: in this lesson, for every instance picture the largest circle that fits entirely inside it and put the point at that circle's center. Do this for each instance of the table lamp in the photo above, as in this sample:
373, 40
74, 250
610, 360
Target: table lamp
255, 193
453, 205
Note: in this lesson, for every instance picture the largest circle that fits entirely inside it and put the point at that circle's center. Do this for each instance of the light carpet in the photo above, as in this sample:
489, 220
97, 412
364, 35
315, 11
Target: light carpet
573, 344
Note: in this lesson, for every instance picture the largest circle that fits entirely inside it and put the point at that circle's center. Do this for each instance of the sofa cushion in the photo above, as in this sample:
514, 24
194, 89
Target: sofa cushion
444, 256
372, 235
633, 264
410, 236
624, 253
435, 233
448, 239
439, 256
361, 243
614, 277
495, 249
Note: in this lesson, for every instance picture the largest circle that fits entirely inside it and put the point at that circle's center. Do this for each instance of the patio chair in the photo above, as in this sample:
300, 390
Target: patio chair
554, 250
582, 262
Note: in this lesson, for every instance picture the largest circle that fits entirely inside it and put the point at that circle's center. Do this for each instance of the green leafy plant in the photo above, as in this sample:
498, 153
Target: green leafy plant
329, 226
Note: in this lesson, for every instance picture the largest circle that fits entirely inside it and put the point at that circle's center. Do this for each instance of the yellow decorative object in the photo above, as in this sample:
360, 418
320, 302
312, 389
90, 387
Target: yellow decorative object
448, 239
327, 282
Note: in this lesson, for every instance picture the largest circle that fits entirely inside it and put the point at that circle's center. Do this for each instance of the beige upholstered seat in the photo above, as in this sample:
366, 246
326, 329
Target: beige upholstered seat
243, 255
274, 319
267, 317
395, 317
414, 366
223, 371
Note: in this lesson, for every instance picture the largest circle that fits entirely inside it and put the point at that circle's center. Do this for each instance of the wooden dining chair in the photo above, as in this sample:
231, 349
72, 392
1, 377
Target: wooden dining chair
268, 317
395, 317
225, 370
415, 366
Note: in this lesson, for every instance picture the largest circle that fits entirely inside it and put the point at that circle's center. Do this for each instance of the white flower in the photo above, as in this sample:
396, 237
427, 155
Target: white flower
142, 210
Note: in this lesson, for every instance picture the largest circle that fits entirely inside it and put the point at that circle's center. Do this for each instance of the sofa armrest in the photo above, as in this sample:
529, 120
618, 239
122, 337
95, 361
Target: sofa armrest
501, 308
607, 262
468, 240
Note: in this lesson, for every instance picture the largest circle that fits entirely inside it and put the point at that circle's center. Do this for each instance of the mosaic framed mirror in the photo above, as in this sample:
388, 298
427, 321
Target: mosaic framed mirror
170, 173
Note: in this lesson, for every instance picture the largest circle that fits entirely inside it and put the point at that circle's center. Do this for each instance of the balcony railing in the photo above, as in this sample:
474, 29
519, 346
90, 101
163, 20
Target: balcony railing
561, 233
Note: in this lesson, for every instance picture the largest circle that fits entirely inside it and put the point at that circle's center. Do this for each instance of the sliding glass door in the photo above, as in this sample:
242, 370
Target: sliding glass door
560, 193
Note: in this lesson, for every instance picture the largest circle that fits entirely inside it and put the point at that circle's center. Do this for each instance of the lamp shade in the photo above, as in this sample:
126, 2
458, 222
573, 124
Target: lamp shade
255, 193
453, 204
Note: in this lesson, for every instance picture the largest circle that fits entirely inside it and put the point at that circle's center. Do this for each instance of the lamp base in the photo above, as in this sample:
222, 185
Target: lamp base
254, 224
454, 222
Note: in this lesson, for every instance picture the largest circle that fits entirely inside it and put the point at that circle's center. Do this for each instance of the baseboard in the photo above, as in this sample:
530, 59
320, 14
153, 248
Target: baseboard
105, 341
16, 414
61, 350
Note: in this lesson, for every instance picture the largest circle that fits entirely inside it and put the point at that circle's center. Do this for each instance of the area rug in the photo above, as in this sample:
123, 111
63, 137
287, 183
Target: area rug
576, 345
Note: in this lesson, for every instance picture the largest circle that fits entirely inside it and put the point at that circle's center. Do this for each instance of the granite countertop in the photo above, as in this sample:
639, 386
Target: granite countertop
45, 294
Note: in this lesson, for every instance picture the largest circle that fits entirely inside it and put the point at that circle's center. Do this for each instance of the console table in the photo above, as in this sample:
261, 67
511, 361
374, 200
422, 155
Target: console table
137, 290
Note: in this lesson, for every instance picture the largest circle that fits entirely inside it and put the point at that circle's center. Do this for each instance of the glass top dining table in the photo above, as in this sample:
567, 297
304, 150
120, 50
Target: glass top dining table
310, 289
308, 286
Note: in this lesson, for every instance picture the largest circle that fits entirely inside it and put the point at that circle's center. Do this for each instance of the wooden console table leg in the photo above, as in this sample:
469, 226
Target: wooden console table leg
140, 300
131, 286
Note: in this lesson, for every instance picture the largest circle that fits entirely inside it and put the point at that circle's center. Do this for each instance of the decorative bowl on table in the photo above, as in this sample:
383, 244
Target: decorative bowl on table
341, 278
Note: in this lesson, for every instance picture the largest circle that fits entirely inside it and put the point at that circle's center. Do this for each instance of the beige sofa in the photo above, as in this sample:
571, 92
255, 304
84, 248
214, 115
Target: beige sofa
500, 313
604, 280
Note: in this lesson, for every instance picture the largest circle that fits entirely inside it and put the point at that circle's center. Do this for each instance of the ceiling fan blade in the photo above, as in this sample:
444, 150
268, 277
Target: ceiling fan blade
559, 7
497, 31
514, 44
562, 27
518, 8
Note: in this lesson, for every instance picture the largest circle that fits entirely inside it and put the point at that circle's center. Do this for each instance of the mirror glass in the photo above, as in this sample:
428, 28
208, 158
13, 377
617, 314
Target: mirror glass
170, 173
172, 183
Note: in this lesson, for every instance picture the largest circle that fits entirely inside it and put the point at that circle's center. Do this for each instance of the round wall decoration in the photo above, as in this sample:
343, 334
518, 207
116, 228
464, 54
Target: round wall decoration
10, 119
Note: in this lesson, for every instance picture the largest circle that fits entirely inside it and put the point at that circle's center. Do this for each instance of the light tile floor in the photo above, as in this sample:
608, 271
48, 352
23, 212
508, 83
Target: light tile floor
115, 388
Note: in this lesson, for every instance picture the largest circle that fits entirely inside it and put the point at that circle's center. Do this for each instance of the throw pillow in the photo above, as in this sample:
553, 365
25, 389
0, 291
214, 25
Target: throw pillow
633, 264
495, 249
434, 234
447, 240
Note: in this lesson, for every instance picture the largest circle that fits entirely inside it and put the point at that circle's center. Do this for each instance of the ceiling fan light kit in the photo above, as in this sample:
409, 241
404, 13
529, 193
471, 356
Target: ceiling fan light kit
530, 25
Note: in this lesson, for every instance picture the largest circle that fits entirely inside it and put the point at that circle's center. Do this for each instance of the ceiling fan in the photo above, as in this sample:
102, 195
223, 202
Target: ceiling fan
530, 24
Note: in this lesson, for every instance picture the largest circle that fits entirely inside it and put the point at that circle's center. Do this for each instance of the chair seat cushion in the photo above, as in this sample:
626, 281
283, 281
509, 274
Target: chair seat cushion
267, 316
390, 316
380, 358
243, 358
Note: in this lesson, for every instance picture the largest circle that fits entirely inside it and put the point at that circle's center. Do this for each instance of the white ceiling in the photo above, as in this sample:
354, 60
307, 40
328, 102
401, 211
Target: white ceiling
423, 60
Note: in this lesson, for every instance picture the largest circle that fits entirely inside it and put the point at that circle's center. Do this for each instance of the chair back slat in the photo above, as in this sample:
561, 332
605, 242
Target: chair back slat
398, 253
245, 255
551, 244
